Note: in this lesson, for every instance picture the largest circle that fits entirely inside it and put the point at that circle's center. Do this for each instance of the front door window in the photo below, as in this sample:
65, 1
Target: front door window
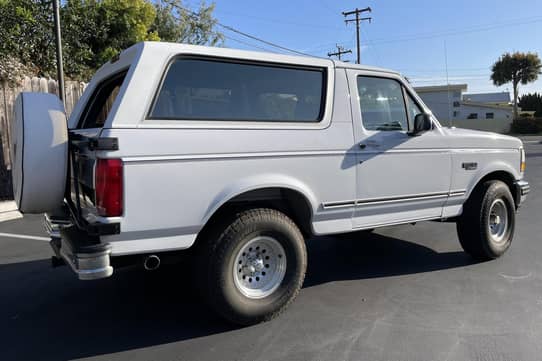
382, 104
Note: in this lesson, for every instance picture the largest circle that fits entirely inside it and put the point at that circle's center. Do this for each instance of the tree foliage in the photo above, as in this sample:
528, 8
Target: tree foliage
26, 35
517, 68
94, 31
531, 102
175, 23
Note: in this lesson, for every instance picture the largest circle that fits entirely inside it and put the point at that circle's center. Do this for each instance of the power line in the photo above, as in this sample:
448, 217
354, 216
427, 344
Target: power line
245, 43
278, 21
452, 32
261, 40
196, 16
366, 34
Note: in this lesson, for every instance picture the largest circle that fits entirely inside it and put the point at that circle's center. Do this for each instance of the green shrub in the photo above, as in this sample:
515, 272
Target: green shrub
527, 126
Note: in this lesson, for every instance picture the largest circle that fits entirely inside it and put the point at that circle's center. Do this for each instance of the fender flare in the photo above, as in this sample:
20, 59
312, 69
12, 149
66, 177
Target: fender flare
262, 181
496, 166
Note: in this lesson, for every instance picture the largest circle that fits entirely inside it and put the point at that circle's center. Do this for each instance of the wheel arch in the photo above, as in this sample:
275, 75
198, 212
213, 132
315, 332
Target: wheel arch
505, 174
285, 194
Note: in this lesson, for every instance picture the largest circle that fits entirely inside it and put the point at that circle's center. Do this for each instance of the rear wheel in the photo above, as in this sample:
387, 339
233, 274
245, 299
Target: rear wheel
486, 227
252, 266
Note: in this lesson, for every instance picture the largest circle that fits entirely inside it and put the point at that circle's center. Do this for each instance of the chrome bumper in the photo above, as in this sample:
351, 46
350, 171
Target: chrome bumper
522, 189
90, 261
53, 225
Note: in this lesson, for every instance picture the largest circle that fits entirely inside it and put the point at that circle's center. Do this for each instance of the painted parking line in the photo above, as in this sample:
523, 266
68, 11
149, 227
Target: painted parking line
24, 236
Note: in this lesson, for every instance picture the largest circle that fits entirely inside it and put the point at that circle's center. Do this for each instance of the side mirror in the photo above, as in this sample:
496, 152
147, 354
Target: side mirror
422, 123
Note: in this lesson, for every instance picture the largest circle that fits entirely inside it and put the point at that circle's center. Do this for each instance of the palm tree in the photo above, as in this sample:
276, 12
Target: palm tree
516, 68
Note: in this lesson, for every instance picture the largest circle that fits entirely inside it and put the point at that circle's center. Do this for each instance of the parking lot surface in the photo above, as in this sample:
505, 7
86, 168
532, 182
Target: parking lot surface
401, 293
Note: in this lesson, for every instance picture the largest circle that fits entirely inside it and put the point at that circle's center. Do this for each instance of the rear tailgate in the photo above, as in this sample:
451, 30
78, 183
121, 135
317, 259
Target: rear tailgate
81, 191
85, 143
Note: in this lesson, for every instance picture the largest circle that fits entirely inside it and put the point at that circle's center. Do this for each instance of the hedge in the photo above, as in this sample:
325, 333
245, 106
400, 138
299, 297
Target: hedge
527, 126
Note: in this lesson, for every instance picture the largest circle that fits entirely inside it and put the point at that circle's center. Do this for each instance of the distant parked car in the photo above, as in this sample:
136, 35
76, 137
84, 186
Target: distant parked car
243, 156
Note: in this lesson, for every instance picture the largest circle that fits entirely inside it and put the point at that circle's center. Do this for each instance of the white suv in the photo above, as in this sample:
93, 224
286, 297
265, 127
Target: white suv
243, 156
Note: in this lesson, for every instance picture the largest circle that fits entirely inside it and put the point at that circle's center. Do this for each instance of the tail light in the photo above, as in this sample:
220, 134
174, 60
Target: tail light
109, 187
522, 163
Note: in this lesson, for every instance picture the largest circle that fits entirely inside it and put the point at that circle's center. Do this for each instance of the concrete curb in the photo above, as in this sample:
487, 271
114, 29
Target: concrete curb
8, 206
8, 211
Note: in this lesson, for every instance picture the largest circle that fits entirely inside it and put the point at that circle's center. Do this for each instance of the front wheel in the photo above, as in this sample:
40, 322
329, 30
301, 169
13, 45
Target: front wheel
253, 266
486, 227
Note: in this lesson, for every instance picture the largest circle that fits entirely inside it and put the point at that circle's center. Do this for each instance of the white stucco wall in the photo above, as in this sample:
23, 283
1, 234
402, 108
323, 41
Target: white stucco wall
440, 104
443, 108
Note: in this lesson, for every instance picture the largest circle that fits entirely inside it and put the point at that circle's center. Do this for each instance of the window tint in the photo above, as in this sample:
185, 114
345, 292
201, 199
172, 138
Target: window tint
197, 89
490, 115
382, 104
473, 116
101, 102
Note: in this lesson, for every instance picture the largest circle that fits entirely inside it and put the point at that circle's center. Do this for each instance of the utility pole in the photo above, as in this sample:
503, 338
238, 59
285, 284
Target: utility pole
59, 64
340, 51
357, 12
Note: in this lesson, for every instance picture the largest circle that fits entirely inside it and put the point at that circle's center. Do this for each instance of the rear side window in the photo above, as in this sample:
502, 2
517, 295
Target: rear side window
101, 102
202, 89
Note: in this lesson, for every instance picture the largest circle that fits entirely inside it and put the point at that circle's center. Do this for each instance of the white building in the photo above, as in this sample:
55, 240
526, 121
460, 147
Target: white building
484, 111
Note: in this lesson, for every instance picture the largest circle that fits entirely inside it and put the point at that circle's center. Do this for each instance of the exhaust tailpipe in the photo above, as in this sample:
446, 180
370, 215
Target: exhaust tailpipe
151, 262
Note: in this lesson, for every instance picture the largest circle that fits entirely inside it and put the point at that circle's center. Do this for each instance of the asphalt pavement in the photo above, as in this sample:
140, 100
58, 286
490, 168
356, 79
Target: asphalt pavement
402, 293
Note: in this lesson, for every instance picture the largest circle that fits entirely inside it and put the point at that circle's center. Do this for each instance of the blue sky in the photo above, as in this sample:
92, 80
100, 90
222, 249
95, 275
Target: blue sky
408, 36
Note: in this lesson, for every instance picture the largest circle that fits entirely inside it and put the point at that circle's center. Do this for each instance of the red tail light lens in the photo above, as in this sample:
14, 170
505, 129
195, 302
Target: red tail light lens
109, 187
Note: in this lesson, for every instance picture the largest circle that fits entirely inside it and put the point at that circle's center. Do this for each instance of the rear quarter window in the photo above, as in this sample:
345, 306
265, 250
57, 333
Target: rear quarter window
211, 89
101, 101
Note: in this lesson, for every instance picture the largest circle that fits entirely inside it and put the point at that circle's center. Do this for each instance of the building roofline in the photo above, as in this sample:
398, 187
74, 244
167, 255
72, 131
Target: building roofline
486, 105
440, 88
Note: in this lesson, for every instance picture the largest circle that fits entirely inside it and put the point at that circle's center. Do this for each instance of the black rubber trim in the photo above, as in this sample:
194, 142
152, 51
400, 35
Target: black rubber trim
234, 60
80, 242
81, 142
103, 144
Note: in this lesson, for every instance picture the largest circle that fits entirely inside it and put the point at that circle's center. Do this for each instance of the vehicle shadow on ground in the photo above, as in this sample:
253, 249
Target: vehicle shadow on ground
47, 314
364, 255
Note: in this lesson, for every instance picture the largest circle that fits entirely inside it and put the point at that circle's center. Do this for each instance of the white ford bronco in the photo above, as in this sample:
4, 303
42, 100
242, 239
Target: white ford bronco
241, 157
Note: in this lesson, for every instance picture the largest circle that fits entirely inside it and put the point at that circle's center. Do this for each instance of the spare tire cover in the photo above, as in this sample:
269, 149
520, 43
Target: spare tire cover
39, 152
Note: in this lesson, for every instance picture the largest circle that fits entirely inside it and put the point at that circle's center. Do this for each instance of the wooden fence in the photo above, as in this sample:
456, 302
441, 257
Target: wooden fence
74, 90
8, 94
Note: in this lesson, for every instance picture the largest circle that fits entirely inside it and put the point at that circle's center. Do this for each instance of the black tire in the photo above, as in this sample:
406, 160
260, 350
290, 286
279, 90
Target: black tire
217, 255
473, 226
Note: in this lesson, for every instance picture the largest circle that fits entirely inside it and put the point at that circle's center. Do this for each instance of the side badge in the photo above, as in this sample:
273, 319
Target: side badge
469, 166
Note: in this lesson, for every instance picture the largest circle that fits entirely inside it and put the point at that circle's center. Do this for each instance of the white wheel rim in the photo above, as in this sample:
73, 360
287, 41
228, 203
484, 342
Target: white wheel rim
259, 267
498, 221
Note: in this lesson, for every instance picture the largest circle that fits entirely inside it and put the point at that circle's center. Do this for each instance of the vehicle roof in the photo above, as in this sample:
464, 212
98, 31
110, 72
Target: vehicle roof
159, 48
342, 64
